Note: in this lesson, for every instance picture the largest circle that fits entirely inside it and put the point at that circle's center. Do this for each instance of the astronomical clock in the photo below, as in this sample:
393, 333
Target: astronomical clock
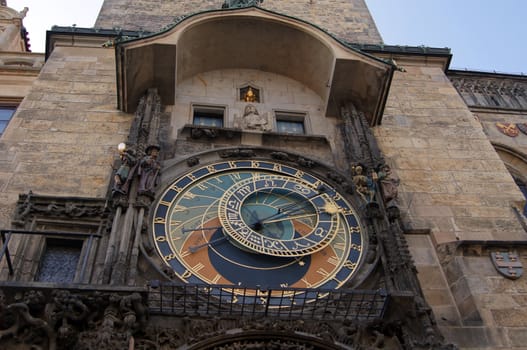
259, 224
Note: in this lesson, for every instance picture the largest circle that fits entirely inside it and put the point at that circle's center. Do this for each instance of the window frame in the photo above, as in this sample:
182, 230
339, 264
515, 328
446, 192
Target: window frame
7, 106
292, 116
206, 108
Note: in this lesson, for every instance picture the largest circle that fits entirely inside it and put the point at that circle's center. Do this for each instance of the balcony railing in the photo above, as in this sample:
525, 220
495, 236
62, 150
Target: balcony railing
186, 300
231, 301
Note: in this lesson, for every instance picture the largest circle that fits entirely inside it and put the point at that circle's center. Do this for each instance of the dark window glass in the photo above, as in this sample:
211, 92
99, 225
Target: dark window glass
59, 261
6, 112
290, 123
208, 116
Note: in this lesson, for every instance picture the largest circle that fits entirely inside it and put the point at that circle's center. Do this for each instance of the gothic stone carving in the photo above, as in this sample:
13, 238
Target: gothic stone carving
491, 91
235, 153
139, 159
65, 320
253, 120
67, 208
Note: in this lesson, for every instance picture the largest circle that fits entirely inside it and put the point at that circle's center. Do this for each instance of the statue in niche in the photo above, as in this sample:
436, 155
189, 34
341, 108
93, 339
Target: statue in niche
149, 169
253, 120
389, 184
124, 174
249, 94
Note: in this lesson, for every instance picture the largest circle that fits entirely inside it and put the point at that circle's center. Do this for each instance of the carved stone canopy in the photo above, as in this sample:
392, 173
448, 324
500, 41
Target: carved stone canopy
271, 42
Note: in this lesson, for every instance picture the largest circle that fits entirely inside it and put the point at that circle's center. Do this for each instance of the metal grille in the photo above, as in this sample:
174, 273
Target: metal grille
226, 300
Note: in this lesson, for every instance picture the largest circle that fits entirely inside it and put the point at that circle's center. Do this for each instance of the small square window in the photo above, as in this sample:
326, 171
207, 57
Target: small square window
6, 112
290, 123
59, 260
208, 116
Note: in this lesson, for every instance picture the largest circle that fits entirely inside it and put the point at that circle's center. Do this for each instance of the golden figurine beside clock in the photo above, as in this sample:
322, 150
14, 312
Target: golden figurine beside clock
257, 224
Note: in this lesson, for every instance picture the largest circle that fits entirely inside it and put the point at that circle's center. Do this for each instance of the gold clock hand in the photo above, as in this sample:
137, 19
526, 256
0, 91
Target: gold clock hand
289, 218
288, 209
185, 230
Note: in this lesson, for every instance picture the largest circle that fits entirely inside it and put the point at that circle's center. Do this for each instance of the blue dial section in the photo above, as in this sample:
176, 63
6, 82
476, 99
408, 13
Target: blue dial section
255, 212
251, 270
248, 223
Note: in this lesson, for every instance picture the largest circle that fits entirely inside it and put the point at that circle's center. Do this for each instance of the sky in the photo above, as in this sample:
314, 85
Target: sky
481, 34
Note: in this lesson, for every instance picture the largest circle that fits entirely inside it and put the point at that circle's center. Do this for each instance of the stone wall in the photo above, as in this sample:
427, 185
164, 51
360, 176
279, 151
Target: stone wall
63, 138
347, 19
278, 93
454, 186
453, 180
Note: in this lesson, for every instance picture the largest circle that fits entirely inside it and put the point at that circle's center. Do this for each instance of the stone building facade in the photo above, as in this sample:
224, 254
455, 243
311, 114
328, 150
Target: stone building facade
382, 190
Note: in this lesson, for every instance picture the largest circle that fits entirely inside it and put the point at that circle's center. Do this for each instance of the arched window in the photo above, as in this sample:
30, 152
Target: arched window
516, 163
6, 112
523, 187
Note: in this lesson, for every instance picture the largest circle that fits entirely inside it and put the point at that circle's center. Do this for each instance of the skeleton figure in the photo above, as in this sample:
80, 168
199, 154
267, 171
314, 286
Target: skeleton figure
364, 184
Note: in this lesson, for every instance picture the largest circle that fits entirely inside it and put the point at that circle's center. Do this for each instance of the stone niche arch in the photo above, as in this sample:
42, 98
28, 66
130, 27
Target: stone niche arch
252, 38
516, 163
264, 340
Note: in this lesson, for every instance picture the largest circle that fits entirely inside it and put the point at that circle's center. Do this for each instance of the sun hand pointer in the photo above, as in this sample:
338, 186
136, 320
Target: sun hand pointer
289, 218
195, 248
185, 230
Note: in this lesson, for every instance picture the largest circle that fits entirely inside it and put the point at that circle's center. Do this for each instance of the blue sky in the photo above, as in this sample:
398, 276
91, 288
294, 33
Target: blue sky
483, 35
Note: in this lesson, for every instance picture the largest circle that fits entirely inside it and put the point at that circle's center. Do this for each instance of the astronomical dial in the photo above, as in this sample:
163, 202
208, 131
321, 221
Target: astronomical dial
257, 224
278, 215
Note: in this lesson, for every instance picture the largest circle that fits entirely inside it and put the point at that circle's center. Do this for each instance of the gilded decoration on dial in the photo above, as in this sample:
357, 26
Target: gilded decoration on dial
259, 214
257, 224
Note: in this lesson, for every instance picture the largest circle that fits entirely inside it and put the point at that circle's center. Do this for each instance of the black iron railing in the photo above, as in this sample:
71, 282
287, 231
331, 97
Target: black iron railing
176, 299
231, 301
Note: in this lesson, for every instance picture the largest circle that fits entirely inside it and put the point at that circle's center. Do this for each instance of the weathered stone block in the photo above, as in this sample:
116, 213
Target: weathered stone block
517, 337
349, 20
470, 337
513, 317
431, 277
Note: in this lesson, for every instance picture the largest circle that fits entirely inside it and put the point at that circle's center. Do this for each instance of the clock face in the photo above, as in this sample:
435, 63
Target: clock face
257, 224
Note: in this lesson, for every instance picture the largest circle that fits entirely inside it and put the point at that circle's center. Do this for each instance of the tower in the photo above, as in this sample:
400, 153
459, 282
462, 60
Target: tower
257, 174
